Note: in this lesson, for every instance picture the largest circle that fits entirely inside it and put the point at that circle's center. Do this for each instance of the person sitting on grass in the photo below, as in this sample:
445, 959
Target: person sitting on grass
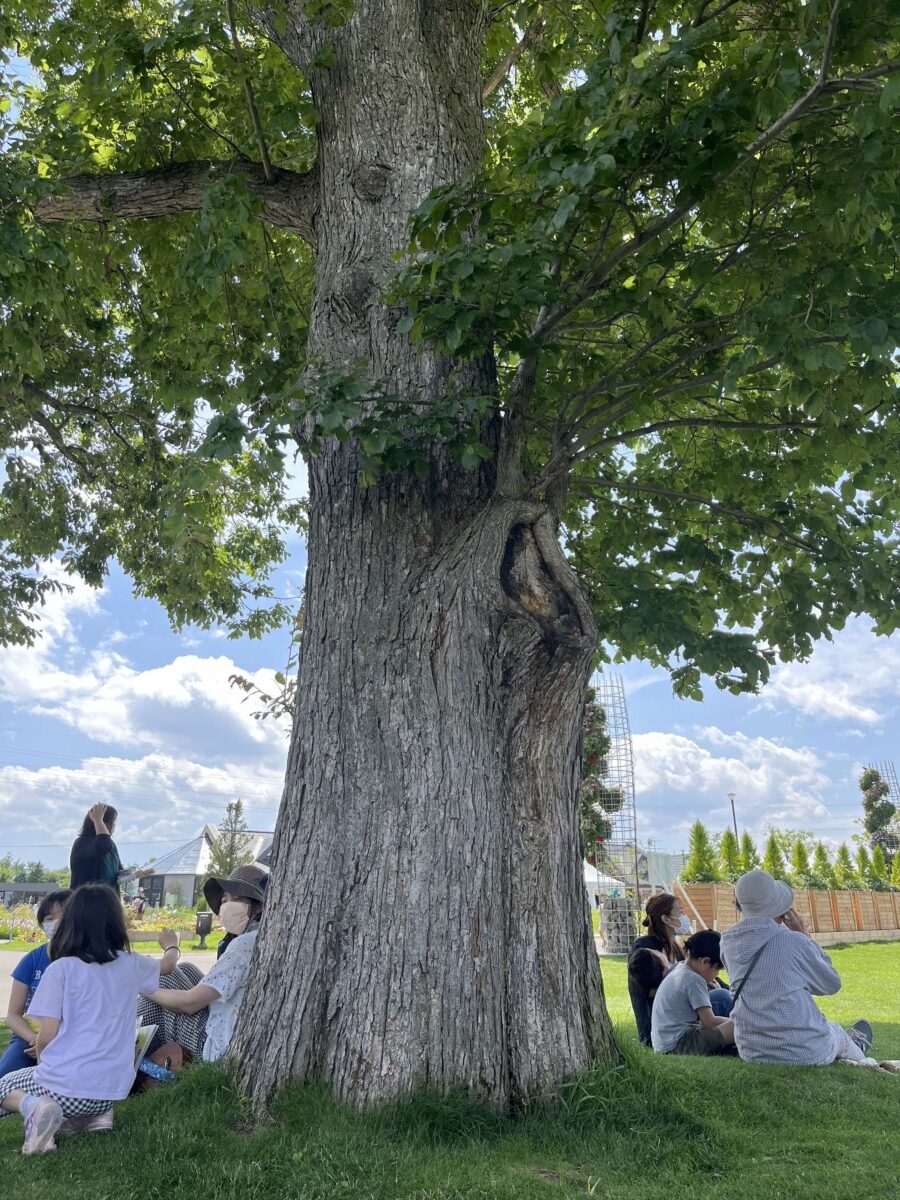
683, 1021
665, 920
86, 1006
646, 970
26, 976
199, 1011
775, 969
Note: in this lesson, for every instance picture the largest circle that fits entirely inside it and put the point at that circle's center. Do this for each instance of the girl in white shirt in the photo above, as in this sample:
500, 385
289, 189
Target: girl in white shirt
86, 1005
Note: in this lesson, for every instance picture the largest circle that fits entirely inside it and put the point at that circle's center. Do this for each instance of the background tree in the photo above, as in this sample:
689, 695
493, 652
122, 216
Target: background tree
863, 867
598, 802
878, 870
773, 857
232, 847
878, 809
822, 870
844, 871
729, 857
789, 838
15, 870
895, 873
749, 853
680, 259
801, 870
701, 865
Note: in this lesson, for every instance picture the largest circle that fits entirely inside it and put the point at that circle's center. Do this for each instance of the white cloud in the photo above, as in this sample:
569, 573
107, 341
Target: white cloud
679, 779
185, 741
160, 798
854, 679
186, 705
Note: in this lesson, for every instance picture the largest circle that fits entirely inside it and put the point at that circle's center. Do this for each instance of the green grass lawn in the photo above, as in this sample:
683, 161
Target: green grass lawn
656, 1128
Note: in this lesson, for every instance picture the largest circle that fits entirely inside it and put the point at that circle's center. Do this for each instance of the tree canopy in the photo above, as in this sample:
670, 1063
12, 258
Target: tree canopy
679, 250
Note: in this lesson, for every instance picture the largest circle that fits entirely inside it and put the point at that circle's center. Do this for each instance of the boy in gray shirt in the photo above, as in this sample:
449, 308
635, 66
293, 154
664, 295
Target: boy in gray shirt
683, 1019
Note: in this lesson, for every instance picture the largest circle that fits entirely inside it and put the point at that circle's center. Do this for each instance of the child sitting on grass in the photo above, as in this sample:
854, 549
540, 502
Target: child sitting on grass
86, 1005
683, 1021
26, 976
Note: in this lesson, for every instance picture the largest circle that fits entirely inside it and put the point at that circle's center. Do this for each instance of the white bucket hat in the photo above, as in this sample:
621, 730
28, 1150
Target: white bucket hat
759, 895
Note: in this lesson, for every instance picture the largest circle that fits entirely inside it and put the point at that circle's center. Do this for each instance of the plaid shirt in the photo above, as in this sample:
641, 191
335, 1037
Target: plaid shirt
775, 1018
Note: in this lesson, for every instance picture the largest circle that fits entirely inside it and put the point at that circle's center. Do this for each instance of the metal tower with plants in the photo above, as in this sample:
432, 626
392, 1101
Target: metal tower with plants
609, 814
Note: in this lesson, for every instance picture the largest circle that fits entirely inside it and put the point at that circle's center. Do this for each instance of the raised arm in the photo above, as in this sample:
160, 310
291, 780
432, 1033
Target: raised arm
823, 979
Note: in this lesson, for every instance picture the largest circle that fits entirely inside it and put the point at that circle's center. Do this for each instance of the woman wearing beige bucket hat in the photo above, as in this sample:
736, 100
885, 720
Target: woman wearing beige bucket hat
775, 969
200, 1011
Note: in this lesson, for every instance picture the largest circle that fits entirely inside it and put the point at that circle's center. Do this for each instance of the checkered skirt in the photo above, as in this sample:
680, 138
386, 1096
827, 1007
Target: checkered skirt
72, 1106
187, 1029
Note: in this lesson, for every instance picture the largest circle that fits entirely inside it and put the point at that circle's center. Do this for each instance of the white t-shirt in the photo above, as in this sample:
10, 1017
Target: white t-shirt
676, 1003
229, 978
92, 1056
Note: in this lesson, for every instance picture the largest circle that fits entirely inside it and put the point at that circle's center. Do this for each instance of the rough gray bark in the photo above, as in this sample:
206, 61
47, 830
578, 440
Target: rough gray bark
289, 202
426, 921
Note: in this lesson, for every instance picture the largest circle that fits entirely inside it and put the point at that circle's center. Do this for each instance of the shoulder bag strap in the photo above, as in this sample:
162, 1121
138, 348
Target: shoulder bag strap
753, 961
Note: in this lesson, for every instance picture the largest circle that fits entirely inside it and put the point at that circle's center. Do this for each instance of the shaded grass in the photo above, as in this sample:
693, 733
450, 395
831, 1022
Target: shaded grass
655, 1128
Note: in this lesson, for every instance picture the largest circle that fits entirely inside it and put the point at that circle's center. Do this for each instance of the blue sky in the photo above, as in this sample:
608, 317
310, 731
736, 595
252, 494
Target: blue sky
112, 705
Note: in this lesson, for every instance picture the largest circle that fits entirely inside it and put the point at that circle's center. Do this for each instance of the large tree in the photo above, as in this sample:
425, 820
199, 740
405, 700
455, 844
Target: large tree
644, 314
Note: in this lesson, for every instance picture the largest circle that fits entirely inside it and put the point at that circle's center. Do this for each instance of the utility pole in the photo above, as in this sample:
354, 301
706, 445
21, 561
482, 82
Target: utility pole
731, 796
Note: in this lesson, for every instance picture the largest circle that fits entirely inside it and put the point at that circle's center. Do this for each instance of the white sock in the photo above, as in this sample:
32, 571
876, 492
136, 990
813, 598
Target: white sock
26, 1105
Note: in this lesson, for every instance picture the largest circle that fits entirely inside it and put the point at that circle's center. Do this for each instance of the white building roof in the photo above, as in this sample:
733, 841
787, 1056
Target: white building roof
193, 858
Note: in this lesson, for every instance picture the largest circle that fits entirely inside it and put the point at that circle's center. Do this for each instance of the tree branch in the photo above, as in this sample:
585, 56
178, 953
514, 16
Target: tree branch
289, 203
530, 37
643, 17
704, 423
741, 515
701, 18
598, 277
248, 93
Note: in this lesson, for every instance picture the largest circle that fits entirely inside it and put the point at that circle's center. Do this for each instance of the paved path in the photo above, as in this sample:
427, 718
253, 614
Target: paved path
8, 959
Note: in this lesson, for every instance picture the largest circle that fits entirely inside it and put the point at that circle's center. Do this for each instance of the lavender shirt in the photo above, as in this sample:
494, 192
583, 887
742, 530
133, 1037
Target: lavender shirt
92, 1056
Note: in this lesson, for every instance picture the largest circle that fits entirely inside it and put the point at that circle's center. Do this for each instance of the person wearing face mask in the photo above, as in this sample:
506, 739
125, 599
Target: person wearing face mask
665, 922
200, 1011
251, 874
20, 1052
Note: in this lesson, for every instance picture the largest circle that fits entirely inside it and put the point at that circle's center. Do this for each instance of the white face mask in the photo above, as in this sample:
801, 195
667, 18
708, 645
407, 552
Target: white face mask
234, 915
48, 927
679, 925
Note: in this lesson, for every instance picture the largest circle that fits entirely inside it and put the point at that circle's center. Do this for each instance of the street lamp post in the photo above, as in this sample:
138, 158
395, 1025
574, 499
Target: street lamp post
731, 796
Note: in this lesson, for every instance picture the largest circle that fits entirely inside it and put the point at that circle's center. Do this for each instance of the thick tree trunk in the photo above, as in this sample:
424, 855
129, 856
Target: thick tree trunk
426, 922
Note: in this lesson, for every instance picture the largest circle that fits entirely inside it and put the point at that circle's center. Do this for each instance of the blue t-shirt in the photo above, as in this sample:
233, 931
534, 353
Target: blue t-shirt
30, 969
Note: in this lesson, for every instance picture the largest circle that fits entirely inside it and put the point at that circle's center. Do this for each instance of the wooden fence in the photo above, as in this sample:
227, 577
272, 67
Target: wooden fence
823, 912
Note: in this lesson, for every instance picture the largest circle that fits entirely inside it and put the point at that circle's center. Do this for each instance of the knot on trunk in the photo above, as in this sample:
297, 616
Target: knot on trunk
353, 290
539, 583
370, 181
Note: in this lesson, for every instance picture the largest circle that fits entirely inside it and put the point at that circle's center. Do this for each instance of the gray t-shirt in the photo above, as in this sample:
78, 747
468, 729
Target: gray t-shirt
675, 1006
